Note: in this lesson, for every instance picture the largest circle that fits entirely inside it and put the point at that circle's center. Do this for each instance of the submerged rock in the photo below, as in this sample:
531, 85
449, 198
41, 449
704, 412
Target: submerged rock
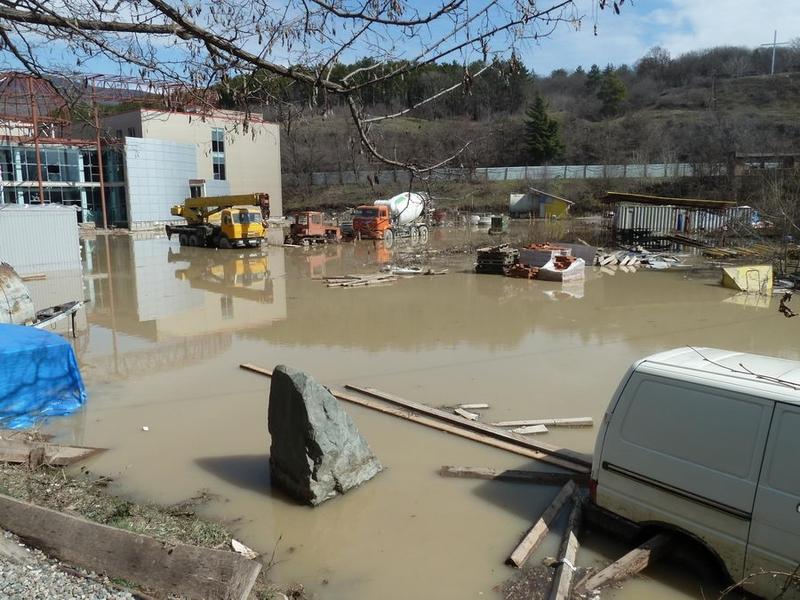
317, 451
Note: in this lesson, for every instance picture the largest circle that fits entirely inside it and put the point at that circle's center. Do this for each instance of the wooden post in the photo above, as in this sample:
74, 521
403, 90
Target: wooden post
565, 573
35, 117
97, 142
540, 529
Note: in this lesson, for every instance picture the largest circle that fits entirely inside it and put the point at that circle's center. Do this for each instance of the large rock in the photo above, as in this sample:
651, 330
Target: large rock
316, 452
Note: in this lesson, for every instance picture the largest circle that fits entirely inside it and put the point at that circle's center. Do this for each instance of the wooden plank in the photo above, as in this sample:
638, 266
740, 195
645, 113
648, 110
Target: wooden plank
635, 561
34, 277
446, 427
540, 529
470, 416
540, 477
478, 406
561, 422
530, 429
565, 572
578, 459
166, 568
18, 450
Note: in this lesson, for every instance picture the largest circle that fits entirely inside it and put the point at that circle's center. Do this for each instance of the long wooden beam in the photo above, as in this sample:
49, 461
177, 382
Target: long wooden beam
188, 571
635, 561
560, 422
567, 555
436, 424
580, 460
538, 477
541, 528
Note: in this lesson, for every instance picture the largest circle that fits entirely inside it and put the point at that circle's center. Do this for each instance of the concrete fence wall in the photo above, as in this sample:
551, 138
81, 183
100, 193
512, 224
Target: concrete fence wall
530, 173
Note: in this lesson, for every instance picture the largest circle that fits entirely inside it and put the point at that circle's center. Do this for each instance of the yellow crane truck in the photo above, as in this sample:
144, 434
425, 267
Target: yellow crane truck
220, 221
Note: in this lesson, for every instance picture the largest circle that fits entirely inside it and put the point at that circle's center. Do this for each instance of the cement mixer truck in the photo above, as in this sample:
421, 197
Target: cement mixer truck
404, 215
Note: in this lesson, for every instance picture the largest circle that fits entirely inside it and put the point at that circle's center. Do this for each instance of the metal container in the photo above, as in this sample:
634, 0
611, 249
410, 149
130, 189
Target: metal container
39, 239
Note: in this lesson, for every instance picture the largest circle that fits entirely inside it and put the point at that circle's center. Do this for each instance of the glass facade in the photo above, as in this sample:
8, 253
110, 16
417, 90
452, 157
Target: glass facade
70, 175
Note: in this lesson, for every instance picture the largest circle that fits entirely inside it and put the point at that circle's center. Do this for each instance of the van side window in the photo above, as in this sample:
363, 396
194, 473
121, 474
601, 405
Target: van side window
783, 472
682, 420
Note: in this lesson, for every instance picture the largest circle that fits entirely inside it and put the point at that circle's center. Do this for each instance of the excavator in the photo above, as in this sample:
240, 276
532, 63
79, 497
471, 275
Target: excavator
221, 221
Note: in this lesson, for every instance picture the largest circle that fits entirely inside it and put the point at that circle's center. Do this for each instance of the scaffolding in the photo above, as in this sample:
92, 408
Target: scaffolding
37, 111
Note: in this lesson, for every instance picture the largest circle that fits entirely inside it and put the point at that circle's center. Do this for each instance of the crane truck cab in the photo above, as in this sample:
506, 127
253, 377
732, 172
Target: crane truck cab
220, 221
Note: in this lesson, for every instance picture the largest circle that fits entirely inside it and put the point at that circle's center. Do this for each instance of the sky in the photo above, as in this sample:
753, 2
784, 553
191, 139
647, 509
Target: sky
680, 26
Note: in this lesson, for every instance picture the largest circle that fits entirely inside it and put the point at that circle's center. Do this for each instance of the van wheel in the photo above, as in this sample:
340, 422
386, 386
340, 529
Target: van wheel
224, 242
183, 239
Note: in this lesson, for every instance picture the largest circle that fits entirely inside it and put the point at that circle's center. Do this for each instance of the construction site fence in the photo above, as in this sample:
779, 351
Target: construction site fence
530, 173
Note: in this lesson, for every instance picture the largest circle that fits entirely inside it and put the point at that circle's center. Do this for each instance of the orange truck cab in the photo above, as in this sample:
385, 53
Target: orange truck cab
371, 222
309, 226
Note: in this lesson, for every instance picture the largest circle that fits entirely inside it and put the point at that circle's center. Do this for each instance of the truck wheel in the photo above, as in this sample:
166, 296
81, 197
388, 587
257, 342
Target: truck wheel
414, 235
193, 241
183, 239
423, 234
224, 242
388, 238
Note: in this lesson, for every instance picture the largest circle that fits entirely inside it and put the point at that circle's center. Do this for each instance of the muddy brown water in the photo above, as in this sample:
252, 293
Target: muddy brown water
168, 327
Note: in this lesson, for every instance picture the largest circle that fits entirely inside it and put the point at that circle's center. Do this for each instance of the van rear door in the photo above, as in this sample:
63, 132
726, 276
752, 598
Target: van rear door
774, 543
682, 453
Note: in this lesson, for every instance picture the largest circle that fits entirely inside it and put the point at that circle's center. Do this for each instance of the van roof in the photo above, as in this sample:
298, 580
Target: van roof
756, 372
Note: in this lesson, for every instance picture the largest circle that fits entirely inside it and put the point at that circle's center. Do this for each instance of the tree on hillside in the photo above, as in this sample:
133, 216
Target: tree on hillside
194, 47
542, 138
593, 78
611, 93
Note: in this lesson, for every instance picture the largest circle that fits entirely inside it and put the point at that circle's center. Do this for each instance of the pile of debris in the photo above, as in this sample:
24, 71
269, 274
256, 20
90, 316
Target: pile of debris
636, 257
496, 259
522, 272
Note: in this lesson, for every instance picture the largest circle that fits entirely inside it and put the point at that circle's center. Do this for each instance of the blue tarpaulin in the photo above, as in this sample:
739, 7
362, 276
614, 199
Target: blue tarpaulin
39, 376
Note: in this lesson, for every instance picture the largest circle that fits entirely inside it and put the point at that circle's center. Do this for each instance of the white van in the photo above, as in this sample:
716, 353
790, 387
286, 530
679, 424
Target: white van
707, 442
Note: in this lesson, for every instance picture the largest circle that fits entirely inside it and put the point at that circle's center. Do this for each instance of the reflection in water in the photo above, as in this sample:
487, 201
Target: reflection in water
169, 327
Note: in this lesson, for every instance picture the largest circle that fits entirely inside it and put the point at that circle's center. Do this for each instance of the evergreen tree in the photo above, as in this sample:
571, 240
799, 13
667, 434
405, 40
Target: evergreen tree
611, 93
593, 78
542, 138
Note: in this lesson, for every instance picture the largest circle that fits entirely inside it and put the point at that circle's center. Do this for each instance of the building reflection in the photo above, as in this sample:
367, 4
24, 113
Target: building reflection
157, 306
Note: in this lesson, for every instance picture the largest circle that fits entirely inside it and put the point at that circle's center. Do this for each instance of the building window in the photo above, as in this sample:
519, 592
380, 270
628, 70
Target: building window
119, 133
218, 140
219, 167
131, 132
218, 152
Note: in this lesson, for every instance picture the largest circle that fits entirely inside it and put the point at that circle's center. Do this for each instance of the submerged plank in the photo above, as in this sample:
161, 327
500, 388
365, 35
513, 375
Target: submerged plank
455, 429
580, 461
567, 555
635, 561
541, 528
187, 571
563, 422
540, 477
530, 429
470, 416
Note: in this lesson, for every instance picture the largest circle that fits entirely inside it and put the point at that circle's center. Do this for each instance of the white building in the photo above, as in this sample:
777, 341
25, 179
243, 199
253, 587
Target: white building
169, 156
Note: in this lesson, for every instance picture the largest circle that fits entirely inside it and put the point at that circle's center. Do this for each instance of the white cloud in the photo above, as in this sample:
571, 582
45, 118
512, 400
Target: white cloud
709, 23
678, 25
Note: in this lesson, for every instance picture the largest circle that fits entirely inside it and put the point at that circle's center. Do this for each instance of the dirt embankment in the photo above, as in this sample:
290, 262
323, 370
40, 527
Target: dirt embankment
87, 495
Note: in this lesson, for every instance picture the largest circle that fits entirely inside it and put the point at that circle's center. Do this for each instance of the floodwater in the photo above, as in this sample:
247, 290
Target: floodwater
168, 328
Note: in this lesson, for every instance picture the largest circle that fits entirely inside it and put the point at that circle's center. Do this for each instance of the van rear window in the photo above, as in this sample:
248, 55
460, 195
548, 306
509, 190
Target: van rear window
700, 425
